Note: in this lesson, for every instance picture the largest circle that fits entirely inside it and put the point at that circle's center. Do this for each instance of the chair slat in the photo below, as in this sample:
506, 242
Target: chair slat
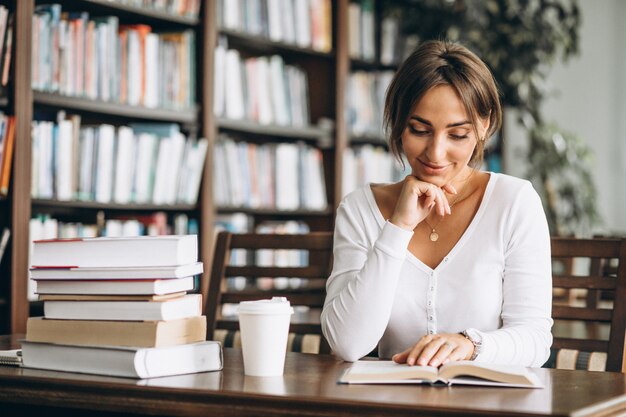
584, 345
590, 282
584, 314
307, 328
313, 271
586, 248
299, 299
313, 241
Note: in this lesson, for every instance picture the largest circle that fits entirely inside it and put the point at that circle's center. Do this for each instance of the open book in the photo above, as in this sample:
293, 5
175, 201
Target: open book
462, 372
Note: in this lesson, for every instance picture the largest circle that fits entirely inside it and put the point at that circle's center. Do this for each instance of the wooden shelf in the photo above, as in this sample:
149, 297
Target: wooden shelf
361, 64
144, 14
257, 43
100, 107
367, 138
245, 126
93, 205
275, 212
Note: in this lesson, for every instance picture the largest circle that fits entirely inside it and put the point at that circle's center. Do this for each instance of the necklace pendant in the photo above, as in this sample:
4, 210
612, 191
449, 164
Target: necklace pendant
434, 236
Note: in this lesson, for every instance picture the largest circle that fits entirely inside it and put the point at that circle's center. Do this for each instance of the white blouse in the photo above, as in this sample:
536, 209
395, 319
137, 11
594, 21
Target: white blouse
496, 279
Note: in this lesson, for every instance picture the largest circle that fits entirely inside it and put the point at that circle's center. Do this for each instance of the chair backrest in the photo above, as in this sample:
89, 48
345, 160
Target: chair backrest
260, 266
592, 327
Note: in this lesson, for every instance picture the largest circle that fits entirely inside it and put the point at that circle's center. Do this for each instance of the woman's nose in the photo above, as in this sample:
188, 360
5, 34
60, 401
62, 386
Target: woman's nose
436, 150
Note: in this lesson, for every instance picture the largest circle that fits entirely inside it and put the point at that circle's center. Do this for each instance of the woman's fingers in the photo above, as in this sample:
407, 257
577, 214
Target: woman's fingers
434, 350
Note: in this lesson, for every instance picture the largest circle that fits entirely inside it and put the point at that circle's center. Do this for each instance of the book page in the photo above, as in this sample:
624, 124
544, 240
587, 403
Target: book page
493, 372
387, 371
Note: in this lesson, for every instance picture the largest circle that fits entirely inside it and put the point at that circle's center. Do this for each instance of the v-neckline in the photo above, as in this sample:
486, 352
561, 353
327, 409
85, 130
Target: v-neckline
464, 237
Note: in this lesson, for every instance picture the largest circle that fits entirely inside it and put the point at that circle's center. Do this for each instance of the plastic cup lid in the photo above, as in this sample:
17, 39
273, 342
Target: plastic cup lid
277, 305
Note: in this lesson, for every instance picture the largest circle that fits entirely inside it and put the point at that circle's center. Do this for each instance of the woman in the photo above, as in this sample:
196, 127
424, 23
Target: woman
451, 263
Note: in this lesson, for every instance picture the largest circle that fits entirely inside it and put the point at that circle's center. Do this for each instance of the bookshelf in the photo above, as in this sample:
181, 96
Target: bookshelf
28, 104
326, 131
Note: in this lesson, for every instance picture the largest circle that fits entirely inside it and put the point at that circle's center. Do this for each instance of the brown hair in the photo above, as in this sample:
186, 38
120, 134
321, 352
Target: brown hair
436, 63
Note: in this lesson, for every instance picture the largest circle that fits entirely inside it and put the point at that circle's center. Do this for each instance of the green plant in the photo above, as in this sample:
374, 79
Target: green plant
559, 168
520, 40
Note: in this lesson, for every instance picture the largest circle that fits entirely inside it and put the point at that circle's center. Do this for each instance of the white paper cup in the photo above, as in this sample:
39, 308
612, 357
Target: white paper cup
264, 326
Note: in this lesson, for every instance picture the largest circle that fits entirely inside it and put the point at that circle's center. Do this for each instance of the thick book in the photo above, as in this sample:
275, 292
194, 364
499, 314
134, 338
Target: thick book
129, 272
110, 297
140, 251
124, 361
117, 333
461, 372
178, 308
139, 286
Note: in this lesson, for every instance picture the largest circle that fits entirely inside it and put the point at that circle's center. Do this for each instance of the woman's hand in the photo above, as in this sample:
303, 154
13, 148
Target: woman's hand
437, 349
417, 199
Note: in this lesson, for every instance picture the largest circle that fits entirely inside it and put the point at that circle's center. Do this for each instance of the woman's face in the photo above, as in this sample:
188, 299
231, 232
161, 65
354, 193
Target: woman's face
439, 138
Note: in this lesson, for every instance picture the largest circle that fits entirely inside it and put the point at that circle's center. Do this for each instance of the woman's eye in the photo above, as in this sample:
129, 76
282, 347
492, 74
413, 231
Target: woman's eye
418, 132
458, 137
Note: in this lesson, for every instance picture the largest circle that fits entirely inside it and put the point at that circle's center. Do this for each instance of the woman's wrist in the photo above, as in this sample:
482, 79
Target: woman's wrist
472, 336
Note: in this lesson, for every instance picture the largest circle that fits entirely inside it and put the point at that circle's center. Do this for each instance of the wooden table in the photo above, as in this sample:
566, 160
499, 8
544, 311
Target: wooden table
308, 388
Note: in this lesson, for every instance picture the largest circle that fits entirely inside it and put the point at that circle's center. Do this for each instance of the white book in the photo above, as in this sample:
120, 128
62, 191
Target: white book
108, 273
124, 165
197, 168
231, 12
165, 250
237, 197
219, 82
287, 193
104, 170
145, 164
288, 21
86, 168
151, 98
266, 113
314, 174
274, 20
113, 287
162, 170
46, 161
64, 165
178, 143
189, 305
279, 91
235, 107
135, 68
123, 361
303, 23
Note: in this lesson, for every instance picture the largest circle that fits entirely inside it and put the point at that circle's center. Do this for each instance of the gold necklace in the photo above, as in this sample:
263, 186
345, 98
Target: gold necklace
434, 236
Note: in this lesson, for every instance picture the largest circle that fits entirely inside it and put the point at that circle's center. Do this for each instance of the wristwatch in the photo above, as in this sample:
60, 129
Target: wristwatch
473, 336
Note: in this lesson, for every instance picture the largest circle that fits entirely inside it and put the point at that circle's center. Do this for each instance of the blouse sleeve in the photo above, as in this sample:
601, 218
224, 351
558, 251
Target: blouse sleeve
525, 335
362, 285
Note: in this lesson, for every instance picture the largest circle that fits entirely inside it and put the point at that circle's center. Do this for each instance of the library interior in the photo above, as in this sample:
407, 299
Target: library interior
166, 164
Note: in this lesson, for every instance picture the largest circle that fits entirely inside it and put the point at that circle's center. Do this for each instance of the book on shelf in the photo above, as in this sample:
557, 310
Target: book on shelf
124, 361
8, 146
143, 286
117, 333
4, 240
461, 372
107, 273
139, 251
189, 305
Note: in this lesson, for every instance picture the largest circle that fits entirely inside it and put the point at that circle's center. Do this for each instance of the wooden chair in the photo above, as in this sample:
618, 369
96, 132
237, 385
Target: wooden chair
307, 297
589, 332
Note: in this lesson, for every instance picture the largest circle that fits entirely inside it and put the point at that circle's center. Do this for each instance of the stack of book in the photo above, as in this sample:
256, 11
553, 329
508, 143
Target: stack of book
119, 307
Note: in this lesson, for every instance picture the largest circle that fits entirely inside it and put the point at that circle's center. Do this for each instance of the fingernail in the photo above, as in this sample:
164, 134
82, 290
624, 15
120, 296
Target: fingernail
410, 361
